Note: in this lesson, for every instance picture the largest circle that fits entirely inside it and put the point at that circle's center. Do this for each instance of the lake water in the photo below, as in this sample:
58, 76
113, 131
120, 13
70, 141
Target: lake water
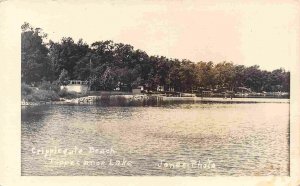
169, 140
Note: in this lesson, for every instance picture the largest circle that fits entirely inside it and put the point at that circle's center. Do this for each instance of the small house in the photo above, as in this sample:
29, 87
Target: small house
77, 86
160, 88
137, 90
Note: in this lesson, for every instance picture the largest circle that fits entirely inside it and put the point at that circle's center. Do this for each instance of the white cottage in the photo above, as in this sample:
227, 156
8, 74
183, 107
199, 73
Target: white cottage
77, 86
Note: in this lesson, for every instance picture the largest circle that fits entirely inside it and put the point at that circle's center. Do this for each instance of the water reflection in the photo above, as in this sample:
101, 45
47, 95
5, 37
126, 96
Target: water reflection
32, 117
241, 139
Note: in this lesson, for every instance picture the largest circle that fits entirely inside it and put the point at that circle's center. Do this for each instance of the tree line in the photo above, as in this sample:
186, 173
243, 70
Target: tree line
107, 65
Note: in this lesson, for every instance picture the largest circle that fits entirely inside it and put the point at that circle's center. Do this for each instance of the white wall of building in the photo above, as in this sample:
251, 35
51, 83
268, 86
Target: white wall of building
75, 88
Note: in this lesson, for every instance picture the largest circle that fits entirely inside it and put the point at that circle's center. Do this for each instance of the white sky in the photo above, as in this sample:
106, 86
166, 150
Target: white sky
244, 32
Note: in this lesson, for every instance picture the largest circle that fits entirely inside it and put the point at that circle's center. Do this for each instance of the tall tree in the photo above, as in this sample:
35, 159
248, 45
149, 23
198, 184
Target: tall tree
225, 75
34, 60
106, 65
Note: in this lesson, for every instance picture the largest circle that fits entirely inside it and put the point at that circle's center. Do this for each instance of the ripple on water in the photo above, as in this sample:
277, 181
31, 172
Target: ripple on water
241, 139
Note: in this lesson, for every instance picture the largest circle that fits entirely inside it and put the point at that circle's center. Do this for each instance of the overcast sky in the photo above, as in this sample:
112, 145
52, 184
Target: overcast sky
261, 32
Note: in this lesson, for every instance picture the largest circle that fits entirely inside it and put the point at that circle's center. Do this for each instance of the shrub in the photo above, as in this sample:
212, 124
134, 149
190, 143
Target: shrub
45, 95
25, 89
42, 95
46, 85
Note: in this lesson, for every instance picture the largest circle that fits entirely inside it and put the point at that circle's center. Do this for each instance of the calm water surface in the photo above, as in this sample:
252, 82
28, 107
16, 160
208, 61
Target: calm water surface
178, 139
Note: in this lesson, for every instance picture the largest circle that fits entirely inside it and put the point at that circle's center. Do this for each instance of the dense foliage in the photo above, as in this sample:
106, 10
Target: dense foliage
107, 65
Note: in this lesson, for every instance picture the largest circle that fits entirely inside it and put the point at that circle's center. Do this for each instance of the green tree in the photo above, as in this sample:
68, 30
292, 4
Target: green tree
254, 78
225, 75
34, 60
205, 74
188, 76
106, 65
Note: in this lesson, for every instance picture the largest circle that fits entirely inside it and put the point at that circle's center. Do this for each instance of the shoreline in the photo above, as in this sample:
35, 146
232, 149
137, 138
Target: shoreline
95, 100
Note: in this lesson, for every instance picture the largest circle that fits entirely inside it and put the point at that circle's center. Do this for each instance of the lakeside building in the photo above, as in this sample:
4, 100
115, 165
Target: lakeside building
160, 88
138, 90
77, 86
